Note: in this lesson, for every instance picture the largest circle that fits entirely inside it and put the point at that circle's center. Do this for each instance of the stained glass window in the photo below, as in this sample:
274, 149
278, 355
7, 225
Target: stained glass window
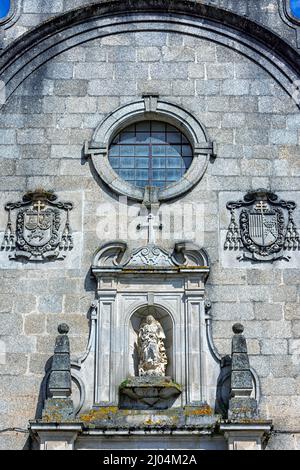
4, 8
295, 8
150, 153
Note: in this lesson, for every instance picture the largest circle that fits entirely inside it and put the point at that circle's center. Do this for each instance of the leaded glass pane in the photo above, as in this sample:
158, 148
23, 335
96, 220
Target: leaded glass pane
142, 150
174, 150
141, 162
126, 150
158, 137
127, 162
295, 8
127, 137
173, 137
174, 163
4, 8
150, 153
115, 162
158, 150
158, 162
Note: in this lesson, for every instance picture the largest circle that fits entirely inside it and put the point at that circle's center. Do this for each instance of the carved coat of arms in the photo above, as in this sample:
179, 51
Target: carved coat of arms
38, 233
262, 227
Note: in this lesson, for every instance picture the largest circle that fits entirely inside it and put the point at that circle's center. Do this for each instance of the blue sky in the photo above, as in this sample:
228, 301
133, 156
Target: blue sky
4, 7
295, 7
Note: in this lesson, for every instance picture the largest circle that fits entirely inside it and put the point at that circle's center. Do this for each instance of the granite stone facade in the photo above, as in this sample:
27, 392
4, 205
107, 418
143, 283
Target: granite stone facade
247, 109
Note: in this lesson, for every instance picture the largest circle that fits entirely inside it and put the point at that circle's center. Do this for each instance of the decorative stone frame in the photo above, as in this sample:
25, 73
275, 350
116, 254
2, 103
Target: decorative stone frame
150, 107
167, 322
123, 290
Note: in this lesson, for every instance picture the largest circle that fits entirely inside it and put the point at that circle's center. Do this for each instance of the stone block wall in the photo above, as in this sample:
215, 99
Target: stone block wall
43, 127
265, 12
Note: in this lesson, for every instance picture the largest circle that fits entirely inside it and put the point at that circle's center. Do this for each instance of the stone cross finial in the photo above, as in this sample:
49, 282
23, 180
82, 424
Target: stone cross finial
241, 404
59, 387
151, 225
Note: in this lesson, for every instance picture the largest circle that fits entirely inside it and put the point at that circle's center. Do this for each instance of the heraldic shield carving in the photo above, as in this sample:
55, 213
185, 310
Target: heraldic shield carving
262, 226
38, 234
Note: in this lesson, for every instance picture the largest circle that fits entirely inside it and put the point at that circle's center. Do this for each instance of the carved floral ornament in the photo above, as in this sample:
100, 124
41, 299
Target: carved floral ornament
37, 233
262, 227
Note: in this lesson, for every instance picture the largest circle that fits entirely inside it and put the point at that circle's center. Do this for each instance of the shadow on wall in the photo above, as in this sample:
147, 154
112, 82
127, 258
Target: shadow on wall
223, 388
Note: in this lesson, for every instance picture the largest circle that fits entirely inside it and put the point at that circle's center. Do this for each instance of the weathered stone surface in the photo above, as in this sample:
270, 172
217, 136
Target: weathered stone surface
264, 311
14, 364
58, 410
5, 304
148, 392
241, 409
273, 346
11, 324
19, 344
255, 125
50, 304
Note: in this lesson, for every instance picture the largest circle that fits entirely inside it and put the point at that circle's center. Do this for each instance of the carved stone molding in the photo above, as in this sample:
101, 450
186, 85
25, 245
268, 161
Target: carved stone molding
113, 256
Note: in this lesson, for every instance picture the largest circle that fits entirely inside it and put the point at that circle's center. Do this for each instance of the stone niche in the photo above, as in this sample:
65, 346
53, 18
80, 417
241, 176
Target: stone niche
130, 286
136, 320
148, 391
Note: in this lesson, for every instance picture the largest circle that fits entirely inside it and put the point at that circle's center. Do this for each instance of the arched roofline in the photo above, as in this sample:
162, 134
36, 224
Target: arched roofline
22, 57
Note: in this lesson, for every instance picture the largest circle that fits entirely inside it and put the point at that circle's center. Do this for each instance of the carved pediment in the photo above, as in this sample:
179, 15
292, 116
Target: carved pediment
185, 255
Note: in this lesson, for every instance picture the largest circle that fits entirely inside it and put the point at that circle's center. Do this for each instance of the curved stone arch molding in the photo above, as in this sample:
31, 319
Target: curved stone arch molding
75, 27
140, 305
256, 384
210, 341
135, 111
81, 388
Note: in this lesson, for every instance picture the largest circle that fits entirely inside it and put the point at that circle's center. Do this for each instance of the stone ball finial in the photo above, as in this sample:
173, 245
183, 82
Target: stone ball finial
238, 328
63, 329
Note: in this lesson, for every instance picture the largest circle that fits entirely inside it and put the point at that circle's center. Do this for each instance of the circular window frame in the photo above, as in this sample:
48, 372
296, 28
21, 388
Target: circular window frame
289, 13
150, 108
13, 14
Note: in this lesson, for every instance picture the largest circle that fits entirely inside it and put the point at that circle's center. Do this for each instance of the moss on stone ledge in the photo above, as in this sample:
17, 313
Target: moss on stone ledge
105, 412
204, 410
